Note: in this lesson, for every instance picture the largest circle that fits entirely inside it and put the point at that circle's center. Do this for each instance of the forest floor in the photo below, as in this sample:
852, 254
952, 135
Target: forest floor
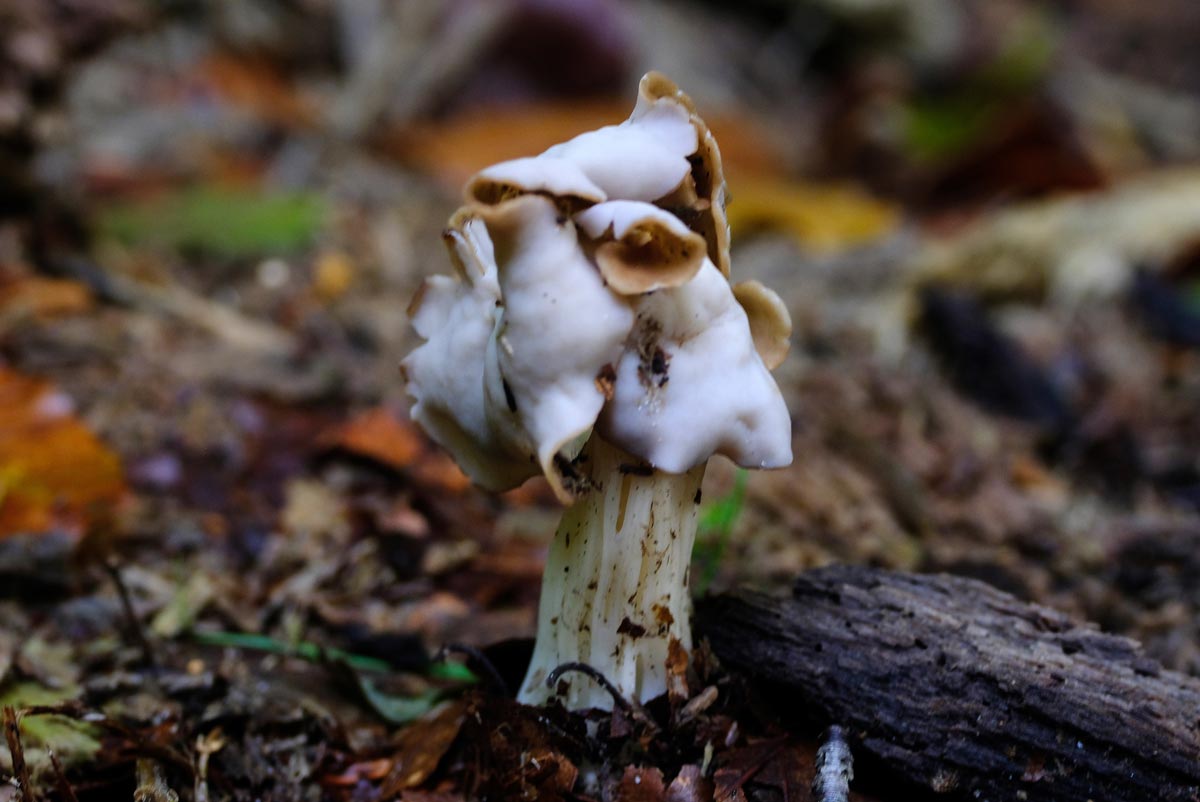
228, 560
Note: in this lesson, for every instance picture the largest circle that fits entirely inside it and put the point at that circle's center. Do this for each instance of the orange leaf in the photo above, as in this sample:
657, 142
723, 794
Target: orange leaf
258, 86
54, 472
456, 149
378, 435
44, 297
358, 772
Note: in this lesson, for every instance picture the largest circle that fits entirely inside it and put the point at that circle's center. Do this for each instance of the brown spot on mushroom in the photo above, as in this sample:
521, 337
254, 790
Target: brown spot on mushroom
631, 629
636, 469
568, 479
663, 615
649, 257
606, 381
658, 365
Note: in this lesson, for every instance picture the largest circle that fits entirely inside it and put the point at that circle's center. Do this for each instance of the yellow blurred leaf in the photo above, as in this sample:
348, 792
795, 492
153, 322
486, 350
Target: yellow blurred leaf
333, 274
54, 472
821, 217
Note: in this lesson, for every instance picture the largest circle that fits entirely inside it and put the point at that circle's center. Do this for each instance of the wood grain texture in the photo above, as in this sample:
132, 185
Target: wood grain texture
967, 690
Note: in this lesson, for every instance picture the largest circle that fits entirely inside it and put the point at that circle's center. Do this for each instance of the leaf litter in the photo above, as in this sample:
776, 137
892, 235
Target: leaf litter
227, 558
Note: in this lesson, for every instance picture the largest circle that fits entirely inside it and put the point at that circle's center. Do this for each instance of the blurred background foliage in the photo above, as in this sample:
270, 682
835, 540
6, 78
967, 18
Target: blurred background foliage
984, 216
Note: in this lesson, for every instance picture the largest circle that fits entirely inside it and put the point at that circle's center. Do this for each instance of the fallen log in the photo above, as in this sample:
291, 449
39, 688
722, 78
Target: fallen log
968, 691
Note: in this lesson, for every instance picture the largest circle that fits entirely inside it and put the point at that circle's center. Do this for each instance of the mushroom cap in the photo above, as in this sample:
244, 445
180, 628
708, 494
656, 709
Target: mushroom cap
445, 375
643, 158
700, 200
558, 327
641, 248
770, 321
561, 178
591, 293
691, 384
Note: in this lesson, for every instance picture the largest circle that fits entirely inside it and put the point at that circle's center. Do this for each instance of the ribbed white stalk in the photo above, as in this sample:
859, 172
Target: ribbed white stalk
615, 591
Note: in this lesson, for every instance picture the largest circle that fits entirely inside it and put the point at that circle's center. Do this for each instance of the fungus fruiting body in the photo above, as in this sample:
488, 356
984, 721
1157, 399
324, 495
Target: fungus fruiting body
591, 335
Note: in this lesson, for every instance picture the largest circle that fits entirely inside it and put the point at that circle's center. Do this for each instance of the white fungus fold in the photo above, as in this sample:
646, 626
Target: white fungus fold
591, 335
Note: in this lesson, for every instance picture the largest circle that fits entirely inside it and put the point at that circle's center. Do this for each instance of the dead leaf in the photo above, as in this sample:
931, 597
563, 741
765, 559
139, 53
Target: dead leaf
54, 472
458, 148
821, 217
257, 85
438, 470
641, 785
333, 273
378, 435
690, 786
44, 297
421, 748
677, 666
359, 772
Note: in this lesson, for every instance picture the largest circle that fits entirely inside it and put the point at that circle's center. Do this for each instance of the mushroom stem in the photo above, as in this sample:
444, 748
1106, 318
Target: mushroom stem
615, 591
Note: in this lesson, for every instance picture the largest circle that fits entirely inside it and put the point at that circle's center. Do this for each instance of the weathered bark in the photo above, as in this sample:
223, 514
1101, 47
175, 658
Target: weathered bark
962, 688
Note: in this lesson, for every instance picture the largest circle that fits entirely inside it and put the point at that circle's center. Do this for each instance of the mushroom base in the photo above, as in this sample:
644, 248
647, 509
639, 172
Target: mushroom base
615, 591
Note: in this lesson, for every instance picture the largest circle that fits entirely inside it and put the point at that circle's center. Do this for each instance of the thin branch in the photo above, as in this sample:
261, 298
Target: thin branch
12, 734
131, 618
584, 668
64, 785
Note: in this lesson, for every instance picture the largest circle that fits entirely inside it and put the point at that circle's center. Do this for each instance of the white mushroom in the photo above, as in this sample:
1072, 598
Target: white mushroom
691, 384
456, 317
557, 328
593, 335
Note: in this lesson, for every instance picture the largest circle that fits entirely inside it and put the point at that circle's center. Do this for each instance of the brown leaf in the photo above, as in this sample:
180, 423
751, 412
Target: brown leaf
690, 786
728, 786
54, 472
677, 666
421, 748
641, 785
741, 766
791, 771
378, 435
456, 149
360, 771
256, 85
44, 297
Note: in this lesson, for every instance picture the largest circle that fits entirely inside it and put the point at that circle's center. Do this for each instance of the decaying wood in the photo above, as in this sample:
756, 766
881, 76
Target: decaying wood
964, 689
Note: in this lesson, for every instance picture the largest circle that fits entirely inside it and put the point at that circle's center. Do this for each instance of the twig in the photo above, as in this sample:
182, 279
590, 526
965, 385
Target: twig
475, 659
64, 785
12, 734
835, 767
152, 783
584, 668
206, 747
130, 616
